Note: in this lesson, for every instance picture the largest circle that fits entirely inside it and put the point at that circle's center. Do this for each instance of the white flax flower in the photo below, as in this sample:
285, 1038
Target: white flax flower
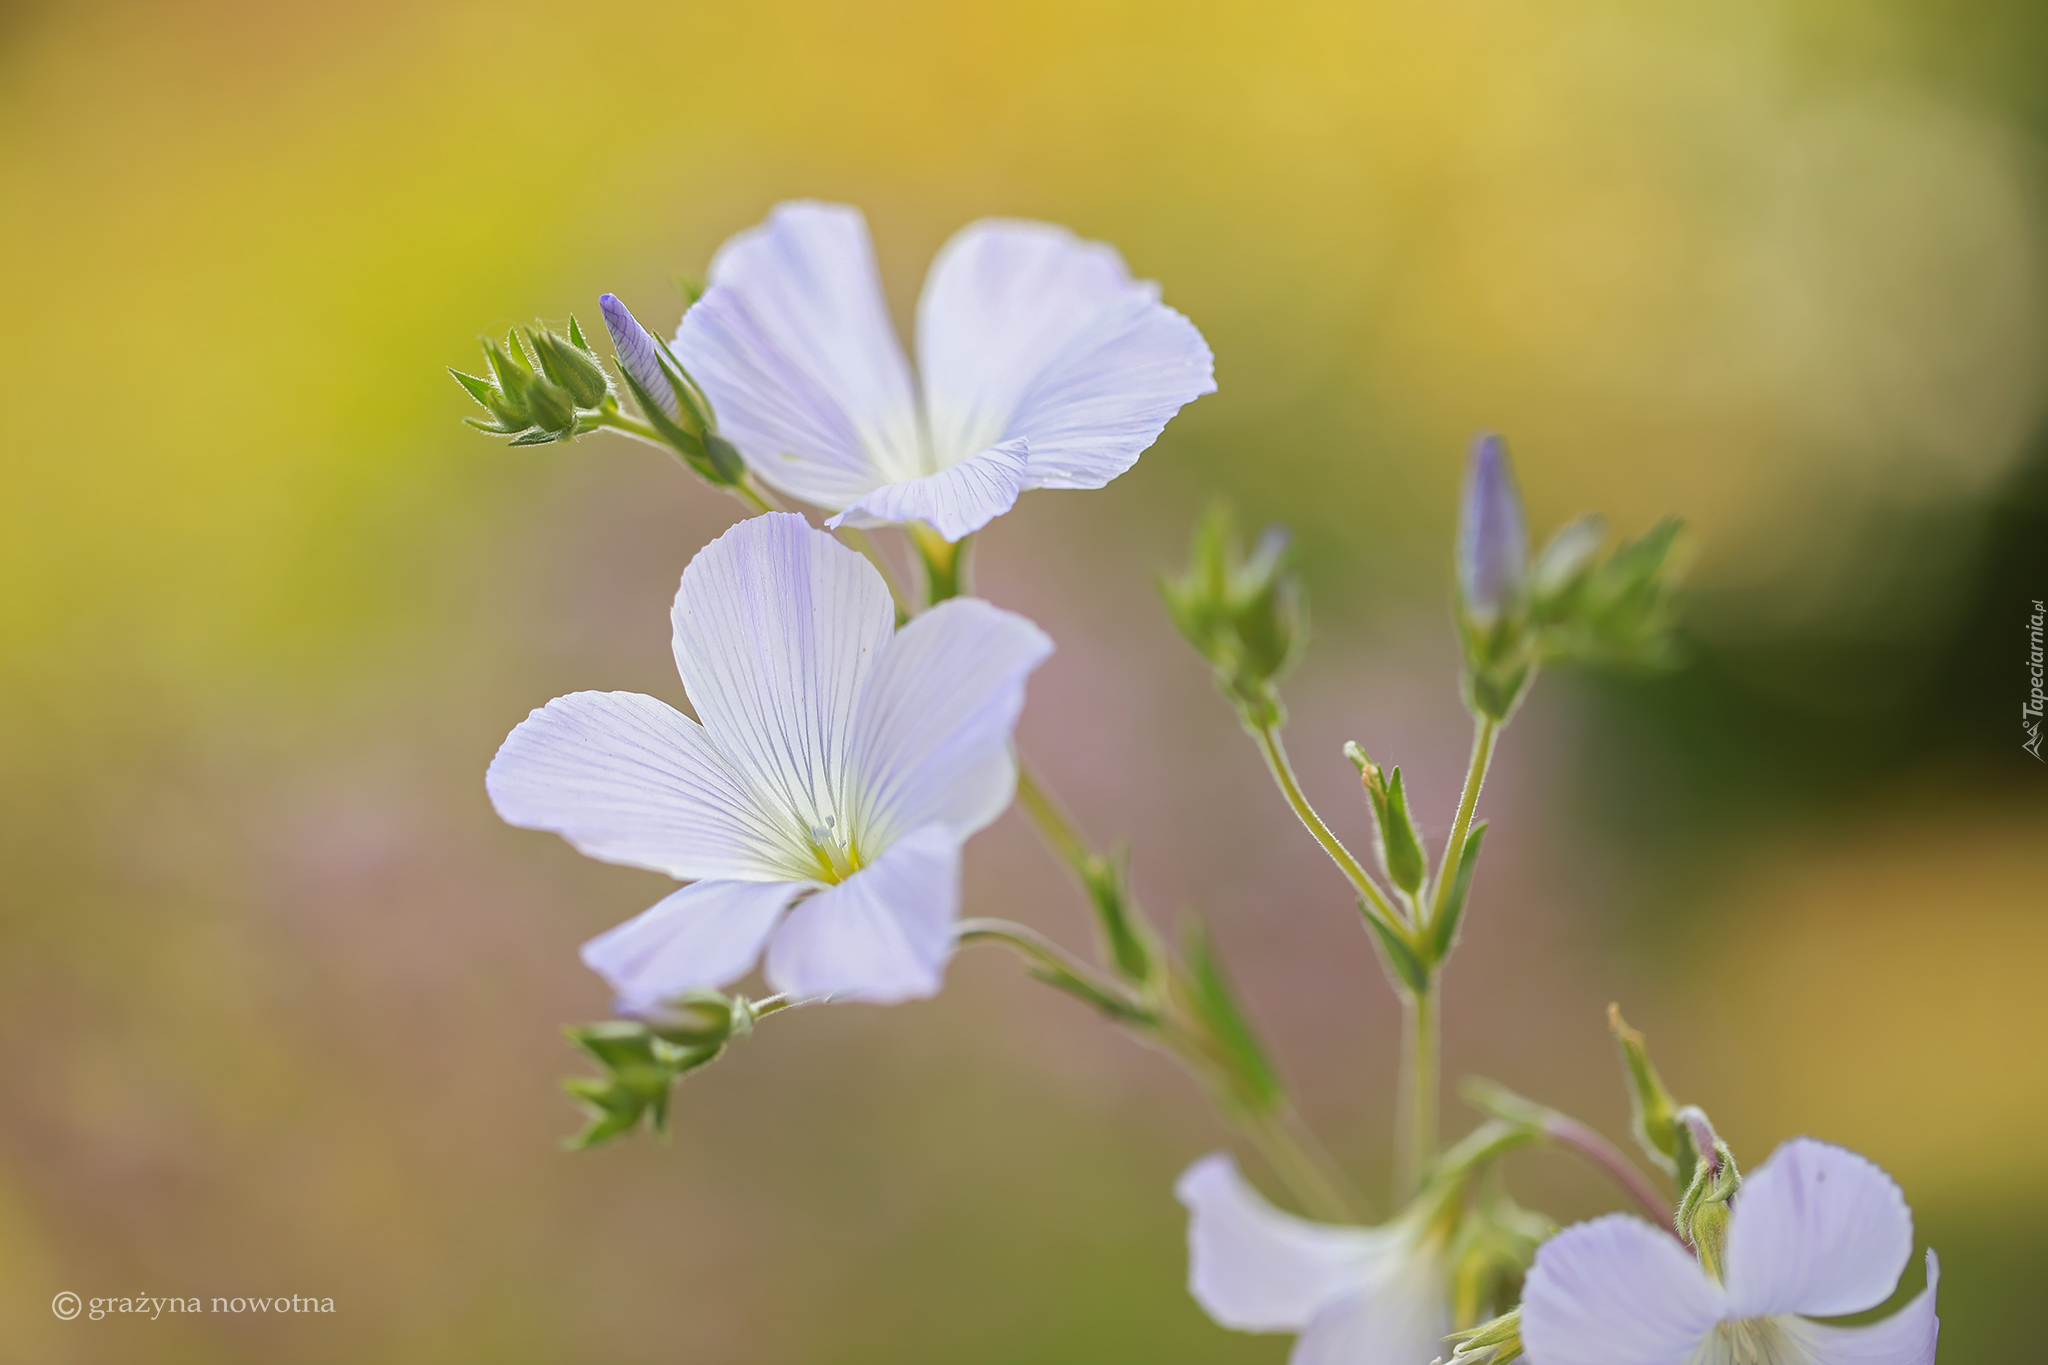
1356, 1295
838, 767
1041, 364
1815, 1232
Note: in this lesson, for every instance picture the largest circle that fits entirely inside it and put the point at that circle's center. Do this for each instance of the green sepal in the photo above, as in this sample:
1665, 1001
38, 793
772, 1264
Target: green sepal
1400, 849
1255, 1087
688, 288
1399, 954
540, 438
576, 335
1443, 931
691, 447
571, 368
1127, 937
479, 389
1244, 614
1653, 1113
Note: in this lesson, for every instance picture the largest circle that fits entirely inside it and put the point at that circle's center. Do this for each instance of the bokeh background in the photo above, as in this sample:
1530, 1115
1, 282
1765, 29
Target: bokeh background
279, 997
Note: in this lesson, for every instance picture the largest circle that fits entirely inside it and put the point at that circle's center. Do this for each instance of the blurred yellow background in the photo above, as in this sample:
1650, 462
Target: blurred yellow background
278, 994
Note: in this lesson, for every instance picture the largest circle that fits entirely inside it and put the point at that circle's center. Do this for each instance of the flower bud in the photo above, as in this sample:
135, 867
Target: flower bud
639, 354
1243, 614
1400, 848
1653, 1112
569, 363
1493, 537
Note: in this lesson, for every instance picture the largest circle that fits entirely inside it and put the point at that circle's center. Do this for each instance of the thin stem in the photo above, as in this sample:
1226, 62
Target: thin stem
1267, 735
745, 490
1585, 1142
1054, 825
1486, 731
1301, 1166
945, 562
1421, 1063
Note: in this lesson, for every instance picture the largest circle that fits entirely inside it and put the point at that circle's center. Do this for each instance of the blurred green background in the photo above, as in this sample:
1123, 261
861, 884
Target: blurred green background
279, 995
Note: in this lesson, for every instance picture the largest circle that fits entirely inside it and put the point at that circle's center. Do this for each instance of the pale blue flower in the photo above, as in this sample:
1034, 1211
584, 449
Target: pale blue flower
838, 767
1355, 1295
1041, 364
1815, 1232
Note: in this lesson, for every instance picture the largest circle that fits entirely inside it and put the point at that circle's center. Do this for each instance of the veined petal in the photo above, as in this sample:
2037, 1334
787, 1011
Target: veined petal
1816, 1230
706, 935
793, 345
1616, 1291
1401, 1320
637, 353
958, 500
630, 779
777, 628
1109, 394
884, 934
1025, 330
932, 741
1257, 1269
1907, 1337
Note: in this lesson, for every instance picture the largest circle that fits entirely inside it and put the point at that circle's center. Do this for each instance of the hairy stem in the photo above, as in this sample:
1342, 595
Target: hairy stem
1054, 825
1486, 731
1267, 736
1416, 1107
752, 497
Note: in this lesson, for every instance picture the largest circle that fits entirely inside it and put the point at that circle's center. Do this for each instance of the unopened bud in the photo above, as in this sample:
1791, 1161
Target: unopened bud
1493, 537
1243, 614
639, 354
571, 366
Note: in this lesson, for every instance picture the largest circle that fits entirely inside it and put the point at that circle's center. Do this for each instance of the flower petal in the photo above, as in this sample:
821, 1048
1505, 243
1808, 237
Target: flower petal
1907, 1337
1817, 1230
1024, 330
777, 628
793, 345
630, 779
932, 741
1257, 1269
1616, 1291
884, 934
1402, 1320
958, 500
637, 353
706, 935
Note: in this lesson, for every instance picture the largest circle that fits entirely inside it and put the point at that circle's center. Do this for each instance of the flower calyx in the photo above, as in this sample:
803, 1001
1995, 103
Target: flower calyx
1704, 1207
1497, 1342
1244, 614
543, 386
644, 1057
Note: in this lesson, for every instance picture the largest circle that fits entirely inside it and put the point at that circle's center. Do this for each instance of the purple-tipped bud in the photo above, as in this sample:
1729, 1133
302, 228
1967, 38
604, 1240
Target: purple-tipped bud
638, 353
1493, 538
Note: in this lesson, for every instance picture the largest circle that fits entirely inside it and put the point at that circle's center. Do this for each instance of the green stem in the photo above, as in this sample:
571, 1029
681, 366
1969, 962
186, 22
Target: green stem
750, 496
1421, 1068
1055, 826
1267, 735
1486, 731
1302, 1165
945, 562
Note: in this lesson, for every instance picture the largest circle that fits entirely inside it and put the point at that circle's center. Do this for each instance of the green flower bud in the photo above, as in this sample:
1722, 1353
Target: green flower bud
1703, 1209
1653, 1112
1244, 615
572, 367
1400, 847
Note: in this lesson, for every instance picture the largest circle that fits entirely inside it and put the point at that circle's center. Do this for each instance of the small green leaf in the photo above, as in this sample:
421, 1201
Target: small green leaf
1399, 952
1257, 1085
1443, 932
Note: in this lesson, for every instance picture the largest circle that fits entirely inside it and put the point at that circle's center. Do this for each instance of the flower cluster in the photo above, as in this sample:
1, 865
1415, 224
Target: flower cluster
851, 734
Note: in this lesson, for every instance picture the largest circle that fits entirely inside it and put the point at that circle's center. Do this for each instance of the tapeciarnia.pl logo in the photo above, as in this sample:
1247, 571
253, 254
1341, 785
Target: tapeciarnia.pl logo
2030, 709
